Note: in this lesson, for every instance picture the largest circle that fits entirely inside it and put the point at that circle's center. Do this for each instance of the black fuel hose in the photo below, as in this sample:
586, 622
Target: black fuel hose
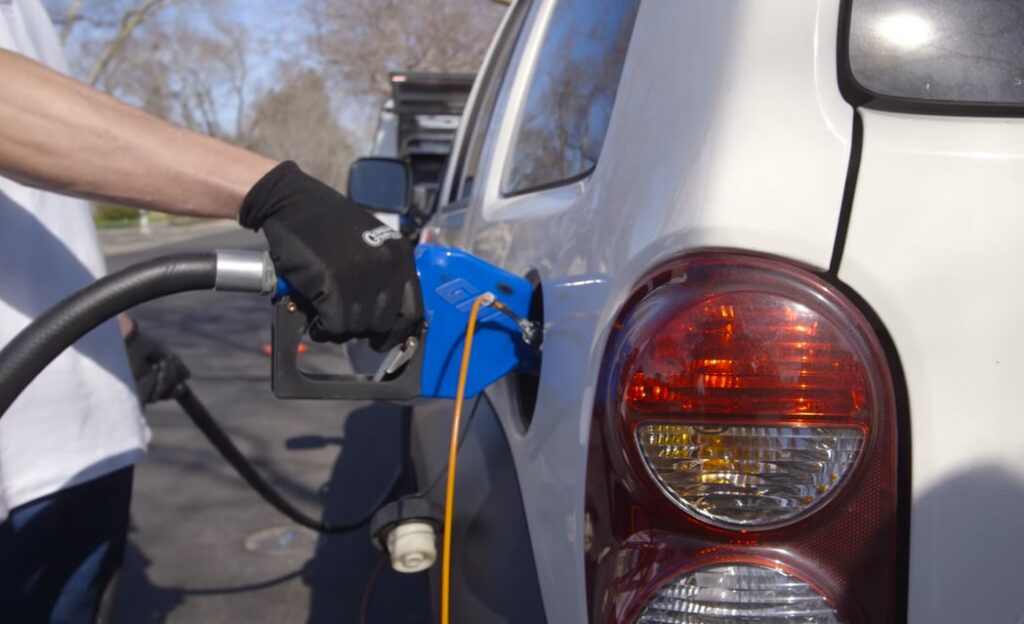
220, 441
49, 335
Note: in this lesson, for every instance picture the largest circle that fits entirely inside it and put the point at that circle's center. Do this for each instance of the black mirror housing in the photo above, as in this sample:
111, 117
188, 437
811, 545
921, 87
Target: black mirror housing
380, 184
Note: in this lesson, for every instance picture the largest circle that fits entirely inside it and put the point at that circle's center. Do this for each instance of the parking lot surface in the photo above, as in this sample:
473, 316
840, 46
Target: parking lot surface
203, 546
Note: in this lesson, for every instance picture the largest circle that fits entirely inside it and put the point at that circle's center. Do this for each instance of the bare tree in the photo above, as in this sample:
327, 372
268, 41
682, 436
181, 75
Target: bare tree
115, 22
361, 41
71, 17
296, 122
197, 78
187, 61
130, 21
192, 62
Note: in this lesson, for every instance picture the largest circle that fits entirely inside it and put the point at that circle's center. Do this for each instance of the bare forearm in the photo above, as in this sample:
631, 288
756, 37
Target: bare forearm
61, 135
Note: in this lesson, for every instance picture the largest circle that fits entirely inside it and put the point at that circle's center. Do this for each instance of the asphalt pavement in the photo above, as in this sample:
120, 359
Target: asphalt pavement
204, 547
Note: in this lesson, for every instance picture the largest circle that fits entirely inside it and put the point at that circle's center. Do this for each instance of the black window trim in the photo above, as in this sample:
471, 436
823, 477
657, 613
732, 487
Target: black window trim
547, 186
858, 95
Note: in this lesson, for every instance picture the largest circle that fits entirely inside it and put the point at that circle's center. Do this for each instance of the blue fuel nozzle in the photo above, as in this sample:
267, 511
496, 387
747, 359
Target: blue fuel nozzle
450, 281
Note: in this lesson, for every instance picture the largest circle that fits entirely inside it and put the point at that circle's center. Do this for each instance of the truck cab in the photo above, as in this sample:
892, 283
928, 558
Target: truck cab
417, 125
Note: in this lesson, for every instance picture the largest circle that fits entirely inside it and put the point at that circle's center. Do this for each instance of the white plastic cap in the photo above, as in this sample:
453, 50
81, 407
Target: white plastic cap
412, 546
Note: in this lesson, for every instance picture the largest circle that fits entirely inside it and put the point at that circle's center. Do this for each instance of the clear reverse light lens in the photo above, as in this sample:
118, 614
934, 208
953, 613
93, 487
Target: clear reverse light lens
748, 475
738, 593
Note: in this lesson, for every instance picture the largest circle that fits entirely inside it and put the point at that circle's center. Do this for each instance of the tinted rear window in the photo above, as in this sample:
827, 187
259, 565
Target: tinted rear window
955, 51
571, 94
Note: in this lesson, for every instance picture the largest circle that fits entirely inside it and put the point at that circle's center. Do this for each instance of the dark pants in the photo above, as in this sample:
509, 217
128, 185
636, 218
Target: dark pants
58, 553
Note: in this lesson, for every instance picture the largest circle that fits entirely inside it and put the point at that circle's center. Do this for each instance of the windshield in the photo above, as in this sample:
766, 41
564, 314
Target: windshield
943, 51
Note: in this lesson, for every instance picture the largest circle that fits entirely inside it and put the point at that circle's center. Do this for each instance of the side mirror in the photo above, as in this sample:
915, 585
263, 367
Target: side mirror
381, 184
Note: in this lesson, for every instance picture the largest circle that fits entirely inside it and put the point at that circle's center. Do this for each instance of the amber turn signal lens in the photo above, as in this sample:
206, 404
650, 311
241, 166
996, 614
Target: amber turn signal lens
748, 475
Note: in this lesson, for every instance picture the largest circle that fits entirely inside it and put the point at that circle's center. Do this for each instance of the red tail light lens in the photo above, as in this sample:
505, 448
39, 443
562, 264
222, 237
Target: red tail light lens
746, 405
749, 391
746, 353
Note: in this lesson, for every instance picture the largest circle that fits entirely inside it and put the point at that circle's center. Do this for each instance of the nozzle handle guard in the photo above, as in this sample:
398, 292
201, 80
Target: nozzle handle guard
290, 382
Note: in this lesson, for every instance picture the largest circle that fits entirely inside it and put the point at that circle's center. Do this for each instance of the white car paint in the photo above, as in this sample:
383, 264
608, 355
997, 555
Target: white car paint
729, 131
935, 247
746, 145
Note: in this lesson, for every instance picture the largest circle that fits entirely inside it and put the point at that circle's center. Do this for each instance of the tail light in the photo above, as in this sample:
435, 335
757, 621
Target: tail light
737, 592
743, 453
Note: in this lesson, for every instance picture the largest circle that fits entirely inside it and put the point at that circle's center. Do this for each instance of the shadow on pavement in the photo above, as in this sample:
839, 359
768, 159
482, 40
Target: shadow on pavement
339, 572
188, 558
348, 579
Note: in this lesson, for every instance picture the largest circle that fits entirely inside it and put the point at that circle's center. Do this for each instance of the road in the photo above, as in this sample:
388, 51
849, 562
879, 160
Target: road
203, 547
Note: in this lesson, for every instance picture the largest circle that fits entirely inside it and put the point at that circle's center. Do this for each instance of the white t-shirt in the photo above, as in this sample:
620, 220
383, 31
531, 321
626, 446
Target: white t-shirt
79, 419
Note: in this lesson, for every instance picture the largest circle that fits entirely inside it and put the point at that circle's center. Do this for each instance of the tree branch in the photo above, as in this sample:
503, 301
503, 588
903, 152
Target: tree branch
129, 23
71, 17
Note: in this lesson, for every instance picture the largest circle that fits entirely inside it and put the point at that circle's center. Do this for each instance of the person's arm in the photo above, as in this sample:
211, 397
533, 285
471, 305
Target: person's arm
61, 135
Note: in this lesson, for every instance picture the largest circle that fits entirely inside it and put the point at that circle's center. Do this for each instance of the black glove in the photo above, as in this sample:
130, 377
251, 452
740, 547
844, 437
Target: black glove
357, 274
157, 371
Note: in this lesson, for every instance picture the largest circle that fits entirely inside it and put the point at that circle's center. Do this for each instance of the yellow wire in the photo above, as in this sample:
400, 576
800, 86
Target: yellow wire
453, 452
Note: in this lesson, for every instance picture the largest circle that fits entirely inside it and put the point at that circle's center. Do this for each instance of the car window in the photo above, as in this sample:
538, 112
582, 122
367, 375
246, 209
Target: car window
569, 101
480, 117
955, 51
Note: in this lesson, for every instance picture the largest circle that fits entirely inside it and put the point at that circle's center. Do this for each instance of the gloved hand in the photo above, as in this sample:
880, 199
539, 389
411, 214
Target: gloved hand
157, 371
357, 274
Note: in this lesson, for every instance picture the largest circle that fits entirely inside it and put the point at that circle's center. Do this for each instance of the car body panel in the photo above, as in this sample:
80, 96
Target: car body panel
493, 572
934, 245
729, 131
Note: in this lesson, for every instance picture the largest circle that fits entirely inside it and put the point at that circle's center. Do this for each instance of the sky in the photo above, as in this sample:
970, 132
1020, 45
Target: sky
278, 29
278, 25
279, 32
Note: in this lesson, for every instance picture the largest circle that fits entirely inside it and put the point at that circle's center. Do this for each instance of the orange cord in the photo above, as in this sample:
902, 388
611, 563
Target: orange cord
453, 452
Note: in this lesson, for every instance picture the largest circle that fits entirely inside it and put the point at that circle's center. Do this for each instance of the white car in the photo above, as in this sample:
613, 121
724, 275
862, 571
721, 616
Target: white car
776, 247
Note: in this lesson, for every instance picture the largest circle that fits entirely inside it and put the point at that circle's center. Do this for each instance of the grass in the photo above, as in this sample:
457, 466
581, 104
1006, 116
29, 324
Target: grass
112, 216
